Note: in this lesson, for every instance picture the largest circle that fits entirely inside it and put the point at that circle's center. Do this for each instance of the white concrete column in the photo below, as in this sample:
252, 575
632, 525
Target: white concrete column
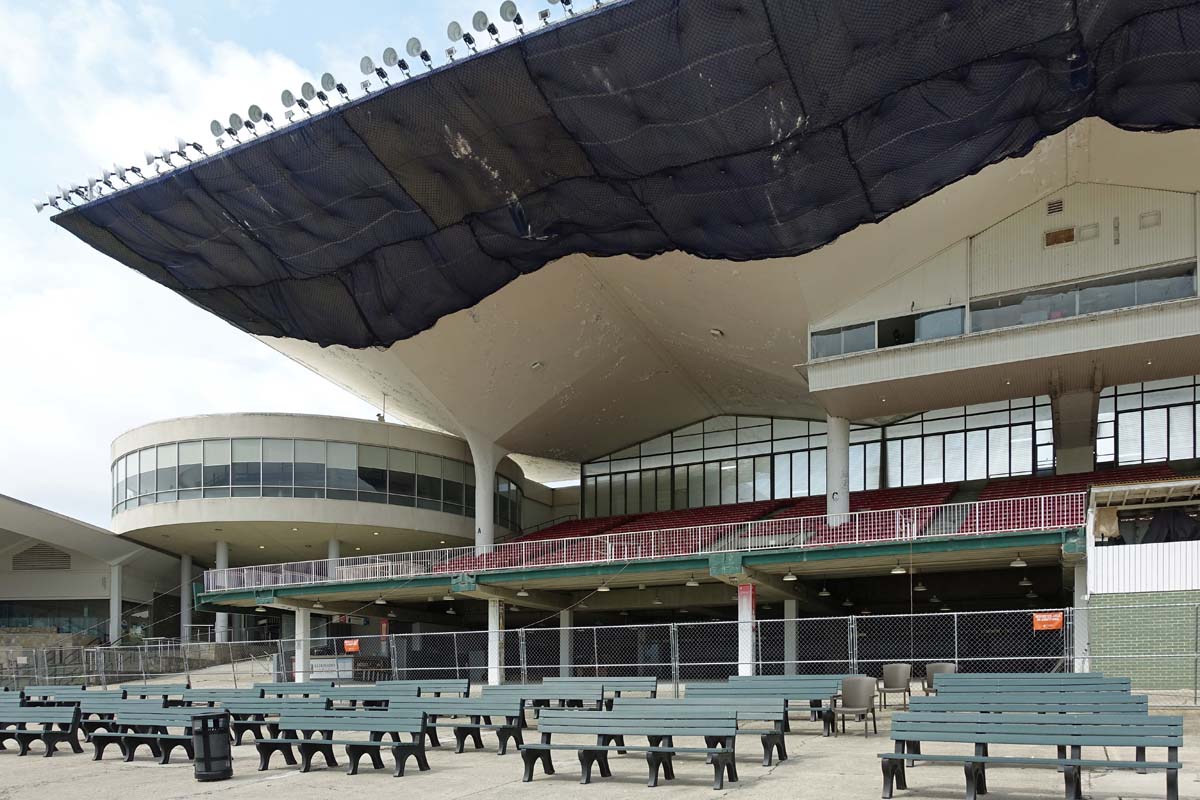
746, 599
495, 642
303, 639
791, 649
333, 550
1079, 620
566, 621
115, 574
185, 598
485, 455
837, 467
222, 619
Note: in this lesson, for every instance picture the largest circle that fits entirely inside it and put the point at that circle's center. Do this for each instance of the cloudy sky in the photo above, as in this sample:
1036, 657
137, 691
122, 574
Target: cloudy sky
89, 349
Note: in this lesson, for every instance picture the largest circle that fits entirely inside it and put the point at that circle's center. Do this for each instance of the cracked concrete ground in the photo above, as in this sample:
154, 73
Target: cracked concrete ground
842, 767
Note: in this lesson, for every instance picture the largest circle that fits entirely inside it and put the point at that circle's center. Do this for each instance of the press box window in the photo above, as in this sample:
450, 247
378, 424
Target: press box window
839, 341
922, 327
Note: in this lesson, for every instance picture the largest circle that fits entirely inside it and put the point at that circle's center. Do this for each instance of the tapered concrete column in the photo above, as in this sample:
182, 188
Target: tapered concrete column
837, 467
115, 574
185, 598
495, 642
485, 455
746, 599
566, 621
222, 619
791, 642
303, 639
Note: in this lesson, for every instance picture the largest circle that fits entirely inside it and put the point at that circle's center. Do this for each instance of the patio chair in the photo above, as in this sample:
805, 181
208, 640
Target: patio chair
897, 679
935, 668
858, 701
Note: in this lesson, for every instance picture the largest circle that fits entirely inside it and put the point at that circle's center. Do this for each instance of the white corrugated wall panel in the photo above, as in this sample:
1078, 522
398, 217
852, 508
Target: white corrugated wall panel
1171, 567
1011, 255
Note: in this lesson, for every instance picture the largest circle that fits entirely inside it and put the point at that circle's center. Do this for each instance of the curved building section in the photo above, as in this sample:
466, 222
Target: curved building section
265, 487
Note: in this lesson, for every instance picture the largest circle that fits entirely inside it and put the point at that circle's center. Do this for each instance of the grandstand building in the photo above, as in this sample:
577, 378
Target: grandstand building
925, 343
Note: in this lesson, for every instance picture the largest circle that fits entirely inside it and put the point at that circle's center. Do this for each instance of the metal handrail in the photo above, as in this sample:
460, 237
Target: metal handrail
1009, 515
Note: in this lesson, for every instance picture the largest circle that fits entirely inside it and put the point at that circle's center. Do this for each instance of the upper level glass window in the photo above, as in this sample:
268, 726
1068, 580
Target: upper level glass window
277, 462
839, 341
341, 470
310, 463
191, 470
1069, 300
247, 462
216, 462
372, 473
167, 463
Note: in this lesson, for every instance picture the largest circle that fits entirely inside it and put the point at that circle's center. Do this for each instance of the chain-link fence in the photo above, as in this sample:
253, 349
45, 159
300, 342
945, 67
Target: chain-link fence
1156, 646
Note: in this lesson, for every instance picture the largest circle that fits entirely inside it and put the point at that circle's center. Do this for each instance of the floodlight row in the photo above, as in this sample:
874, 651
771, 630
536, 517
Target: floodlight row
237, 125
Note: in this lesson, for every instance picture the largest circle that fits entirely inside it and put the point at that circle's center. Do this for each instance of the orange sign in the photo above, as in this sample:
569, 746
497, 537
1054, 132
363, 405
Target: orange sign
1048, 621
350, 645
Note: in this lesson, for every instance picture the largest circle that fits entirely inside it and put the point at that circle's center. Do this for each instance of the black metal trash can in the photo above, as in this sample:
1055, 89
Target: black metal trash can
210, 742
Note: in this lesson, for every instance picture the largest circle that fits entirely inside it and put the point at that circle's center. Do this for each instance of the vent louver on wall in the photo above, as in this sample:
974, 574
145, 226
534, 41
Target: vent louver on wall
1054, 206
41, 556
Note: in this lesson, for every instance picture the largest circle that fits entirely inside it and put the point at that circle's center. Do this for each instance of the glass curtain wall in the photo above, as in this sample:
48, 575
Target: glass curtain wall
1142, 423
726, 460
305, 468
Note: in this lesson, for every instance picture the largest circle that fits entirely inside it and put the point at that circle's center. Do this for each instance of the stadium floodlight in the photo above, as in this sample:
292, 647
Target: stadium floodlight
450, 51
330, 84
544, 15
415, 50
255, 115
119, 171
454, 32
480, 23
509, 13
152, 160
106, 176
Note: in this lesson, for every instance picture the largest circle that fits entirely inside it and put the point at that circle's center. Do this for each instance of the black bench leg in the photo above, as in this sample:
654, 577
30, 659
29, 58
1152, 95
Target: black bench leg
889, 774
1072, 777
1139, 754
828, 723
376, 758
586, 759
914, 748
504, 734
531, 757
971, 771
1172, 784
476, 738
353, 754
99, 745
433, 737
653, 762
166, 747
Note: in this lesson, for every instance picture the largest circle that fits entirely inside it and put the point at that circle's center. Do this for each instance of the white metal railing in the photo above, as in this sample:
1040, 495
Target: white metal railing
1012, 515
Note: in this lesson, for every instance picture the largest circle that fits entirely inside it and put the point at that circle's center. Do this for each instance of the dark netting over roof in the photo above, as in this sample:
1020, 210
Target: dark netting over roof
734, 129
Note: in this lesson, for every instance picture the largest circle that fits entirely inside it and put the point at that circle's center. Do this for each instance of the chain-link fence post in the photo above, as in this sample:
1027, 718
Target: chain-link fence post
187, 667
1196, 661
956, 641
852, 645
454, 637
232, 665
524, 659
394, 655
595, 653
675, 657
141, 651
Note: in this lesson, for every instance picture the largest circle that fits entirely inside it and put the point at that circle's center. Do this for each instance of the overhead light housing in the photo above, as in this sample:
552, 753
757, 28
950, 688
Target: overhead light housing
824, 591
522, 593
920, 587
318, 604
451, 611
691, 581
1025, 581
603, 588
933, 598
447, 597
391, 614
1031, 595
1018, 562
791, 576
379, 601
259, 609
847, 603
657, 600
898, 569
945, 608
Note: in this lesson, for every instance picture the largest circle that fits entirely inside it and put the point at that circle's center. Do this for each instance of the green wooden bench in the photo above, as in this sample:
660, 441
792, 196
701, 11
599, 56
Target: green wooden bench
249, 715
815, 693
138, 725
324, 723
304, 688
1038, 702
771, 710
377, 696
614, 685
213, 697
97, 713
459, 687
660, 729
54, 695
54, 725
976, 687
471, 716
537, 696
171, 693
1061, 731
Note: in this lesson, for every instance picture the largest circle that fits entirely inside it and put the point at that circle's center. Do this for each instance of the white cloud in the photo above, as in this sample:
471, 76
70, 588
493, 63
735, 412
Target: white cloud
88, 348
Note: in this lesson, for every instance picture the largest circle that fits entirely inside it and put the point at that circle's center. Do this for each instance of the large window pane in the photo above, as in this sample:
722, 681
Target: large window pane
372, 472
148, 476
402, 473
341, 471
429, 481
664, 490
167, 478
310, 463
762, 478
603, 496
745, 480
633, 492
278, 455
131, 476
191, 460
216, 463
695, 486
247, 464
